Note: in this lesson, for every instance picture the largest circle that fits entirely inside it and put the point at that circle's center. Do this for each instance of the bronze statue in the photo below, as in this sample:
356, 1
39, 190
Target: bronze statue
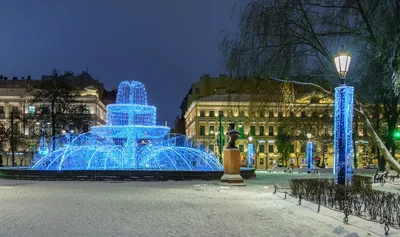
231, 136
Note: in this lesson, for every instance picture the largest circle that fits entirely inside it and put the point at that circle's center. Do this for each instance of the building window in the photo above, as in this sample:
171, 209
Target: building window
271, 148
230, 114
211, 148
325, 148
221, 114
1, 110
86, 128
262, 133
241, 113
197, 91
241, 148
303, 148
279, 129
262, 148
31, 131
202, 114
14, 109
202, 130
31, 109
252, 130
271, 114
262, 161
303, 114
241, 130
212, 113
314, 115
291, 148
211, 128
270, 130
280, 114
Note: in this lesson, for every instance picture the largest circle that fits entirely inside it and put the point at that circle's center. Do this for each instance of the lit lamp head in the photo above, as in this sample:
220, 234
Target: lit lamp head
309, 135
250, 139
211, 132
342, 62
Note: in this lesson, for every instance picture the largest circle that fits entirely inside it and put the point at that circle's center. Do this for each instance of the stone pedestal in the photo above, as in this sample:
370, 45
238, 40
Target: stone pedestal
232, 168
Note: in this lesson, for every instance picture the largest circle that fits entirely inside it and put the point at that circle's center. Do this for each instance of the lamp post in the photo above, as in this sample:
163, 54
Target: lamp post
344, 101
250, 151
309, 154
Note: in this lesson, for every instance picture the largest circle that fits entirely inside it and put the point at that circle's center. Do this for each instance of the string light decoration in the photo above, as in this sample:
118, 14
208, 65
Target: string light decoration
309, 150
250, 151
130, 140
343, 132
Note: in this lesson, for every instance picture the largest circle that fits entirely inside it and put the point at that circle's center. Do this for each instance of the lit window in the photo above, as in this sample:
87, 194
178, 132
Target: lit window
31, 109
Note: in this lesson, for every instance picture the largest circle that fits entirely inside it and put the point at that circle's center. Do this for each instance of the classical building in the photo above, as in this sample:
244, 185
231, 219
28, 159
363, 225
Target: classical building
260, 118
15, 97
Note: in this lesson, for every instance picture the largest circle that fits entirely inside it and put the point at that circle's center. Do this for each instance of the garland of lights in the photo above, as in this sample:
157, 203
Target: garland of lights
343, 134
310, 165
129, 140
250, 152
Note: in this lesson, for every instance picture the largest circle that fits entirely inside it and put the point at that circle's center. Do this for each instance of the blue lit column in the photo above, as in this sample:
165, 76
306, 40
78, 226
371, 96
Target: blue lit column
343, 143
250, 151
309, 150
343, 125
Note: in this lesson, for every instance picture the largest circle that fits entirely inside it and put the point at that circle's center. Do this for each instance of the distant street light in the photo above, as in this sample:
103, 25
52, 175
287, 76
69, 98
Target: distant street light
309, 136
250, 139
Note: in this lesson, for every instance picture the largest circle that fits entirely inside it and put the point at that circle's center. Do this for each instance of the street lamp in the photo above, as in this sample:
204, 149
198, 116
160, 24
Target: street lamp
343, 132
342, 62
309, 136
250, 139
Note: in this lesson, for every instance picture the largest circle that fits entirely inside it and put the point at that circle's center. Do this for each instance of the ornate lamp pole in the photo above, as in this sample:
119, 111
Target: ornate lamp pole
309, 151
343, 125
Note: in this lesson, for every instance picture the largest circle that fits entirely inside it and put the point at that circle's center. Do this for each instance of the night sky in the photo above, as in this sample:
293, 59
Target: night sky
166, 44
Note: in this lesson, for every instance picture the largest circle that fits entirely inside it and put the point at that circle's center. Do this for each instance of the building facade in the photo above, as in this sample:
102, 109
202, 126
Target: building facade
260, 123
15, 108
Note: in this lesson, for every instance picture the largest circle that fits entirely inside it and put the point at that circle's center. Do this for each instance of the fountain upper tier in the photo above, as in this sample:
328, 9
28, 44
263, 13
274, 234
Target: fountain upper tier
131, 117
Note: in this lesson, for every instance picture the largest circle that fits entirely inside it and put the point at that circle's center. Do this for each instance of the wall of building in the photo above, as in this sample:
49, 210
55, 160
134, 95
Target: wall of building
15, 95
202, 123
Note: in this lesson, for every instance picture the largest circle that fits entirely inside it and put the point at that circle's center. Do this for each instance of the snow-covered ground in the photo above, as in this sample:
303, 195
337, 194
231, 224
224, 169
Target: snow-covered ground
187, 208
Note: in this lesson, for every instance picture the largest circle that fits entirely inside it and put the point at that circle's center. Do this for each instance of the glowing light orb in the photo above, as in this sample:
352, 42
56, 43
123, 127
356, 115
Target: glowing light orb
129, 140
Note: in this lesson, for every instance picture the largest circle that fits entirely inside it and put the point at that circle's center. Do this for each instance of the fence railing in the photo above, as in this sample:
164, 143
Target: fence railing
358, 199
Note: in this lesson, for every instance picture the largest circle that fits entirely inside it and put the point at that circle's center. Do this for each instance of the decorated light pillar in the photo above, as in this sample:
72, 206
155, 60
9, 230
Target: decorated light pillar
309, 153
343, 123
250, 152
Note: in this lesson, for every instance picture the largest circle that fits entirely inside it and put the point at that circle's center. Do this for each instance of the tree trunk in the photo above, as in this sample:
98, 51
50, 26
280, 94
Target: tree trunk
355, 161
377, 140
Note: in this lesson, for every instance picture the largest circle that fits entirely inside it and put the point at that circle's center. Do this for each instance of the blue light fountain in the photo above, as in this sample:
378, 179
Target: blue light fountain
129, 141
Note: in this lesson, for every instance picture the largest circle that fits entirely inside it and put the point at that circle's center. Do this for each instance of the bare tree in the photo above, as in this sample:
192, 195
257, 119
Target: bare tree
294, 39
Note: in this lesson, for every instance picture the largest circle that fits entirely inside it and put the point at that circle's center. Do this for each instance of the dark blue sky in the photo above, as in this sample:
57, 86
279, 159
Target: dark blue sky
166, 44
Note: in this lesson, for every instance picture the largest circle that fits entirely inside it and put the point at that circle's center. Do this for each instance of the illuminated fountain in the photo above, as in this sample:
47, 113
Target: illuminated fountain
129, 141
